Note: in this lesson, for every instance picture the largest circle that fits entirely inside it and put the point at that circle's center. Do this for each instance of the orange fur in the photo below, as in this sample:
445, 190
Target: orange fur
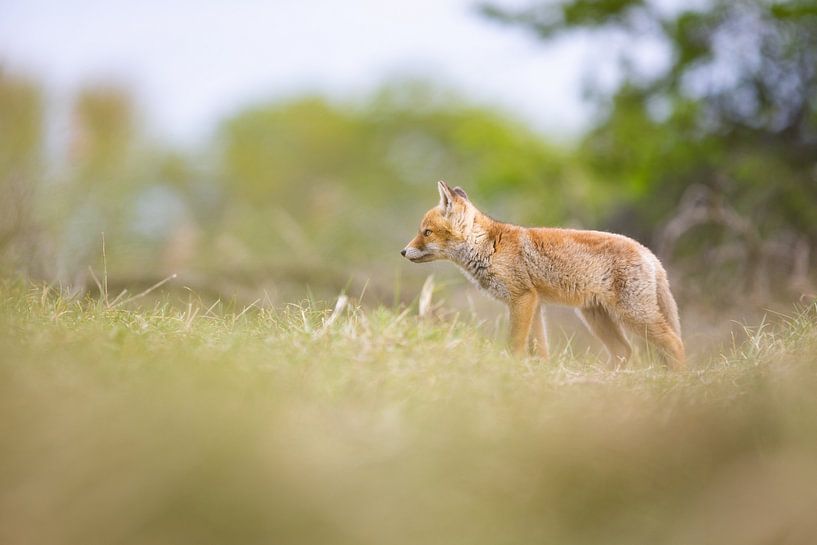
615, 282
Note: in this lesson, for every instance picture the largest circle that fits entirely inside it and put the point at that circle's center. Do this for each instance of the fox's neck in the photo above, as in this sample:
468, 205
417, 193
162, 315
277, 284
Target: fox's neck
474, 253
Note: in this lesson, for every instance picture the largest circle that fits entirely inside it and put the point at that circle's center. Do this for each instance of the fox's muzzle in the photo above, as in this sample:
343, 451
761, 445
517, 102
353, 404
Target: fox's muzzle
416, 255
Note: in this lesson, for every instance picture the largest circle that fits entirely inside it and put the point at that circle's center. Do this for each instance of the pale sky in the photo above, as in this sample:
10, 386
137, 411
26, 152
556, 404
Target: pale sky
191, 62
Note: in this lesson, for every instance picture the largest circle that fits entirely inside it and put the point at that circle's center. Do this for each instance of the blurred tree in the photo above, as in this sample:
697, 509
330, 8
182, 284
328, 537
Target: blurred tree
101, 133
733, 108
431, 134
344, 181
304, 190
271, 150
21, 127
99, 190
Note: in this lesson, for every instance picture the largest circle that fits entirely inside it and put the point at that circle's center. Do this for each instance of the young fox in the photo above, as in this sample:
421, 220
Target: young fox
613, 280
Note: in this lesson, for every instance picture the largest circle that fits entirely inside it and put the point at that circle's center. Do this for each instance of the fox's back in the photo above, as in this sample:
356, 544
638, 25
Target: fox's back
579, 267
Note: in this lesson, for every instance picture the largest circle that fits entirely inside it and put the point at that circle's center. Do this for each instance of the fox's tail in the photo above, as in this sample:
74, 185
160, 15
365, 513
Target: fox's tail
666, 303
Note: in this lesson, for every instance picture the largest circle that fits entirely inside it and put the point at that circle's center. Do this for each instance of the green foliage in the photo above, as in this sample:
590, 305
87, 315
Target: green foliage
397, 146
550, 18
272, 152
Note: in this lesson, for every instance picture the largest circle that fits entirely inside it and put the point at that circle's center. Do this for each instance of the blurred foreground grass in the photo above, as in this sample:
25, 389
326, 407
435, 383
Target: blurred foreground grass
170, 425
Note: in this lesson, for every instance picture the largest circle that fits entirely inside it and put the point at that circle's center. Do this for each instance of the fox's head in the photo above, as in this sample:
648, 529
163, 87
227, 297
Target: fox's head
443, 228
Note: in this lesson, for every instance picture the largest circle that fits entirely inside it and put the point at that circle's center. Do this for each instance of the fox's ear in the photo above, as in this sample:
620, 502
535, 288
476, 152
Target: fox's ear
461, 192
446, 195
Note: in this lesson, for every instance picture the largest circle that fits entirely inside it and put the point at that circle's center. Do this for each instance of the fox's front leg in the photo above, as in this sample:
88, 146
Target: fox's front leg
538, 334
522, 307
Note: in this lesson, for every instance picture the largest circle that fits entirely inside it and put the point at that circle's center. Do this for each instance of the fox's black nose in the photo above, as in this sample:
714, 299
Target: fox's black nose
403, 252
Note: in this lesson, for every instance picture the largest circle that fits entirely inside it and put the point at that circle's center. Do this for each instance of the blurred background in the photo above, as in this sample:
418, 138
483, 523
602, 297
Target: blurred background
288, 149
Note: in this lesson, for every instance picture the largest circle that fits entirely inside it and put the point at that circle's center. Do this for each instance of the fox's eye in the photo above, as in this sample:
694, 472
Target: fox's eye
427, 233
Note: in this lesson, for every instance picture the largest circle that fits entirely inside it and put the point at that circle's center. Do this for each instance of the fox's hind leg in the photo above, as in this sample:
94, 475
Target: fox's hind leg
602, 325
663, 335
538, 337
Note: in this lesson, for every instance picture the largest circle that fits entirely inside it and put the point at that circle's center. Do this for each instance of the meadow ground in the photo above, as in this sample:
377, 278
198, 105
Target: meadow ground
168, 424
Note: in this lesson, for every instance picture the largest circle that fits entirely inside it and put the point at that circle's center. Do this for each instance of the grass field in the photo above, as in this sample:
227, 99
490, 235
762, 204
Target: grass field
171, 424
